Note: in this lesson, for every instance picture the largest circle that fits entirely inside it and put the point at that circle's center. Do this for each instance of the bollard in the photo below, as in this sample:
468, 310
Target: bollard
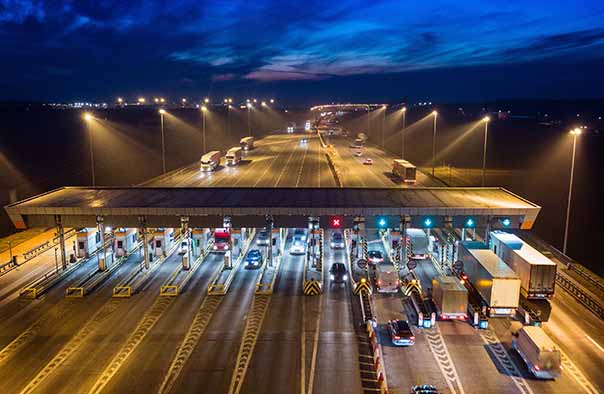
420, 319
475, 319
433, 319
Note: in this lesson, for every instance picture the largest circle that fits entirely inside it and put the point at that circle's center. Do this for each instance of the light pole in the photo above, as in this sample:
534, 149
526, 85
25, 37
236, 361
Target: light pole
383, 126
204, 109
404, 120
228, 102
368, 121
249, 127
88, 118
434, 142
163, 140
486, 121
575, 133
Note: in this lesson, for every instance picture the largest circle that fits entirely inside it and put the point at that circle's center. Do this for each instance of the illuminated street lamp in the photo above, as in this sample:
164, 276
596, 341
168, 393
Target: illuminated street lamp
575, 133
206, 100
88, 118
404, 121
486, 121
184, 101
383, 125
156, 100
163, 140
204, 109
272, 101
141, 100
434, 142
162, 100
264, 104
120, 100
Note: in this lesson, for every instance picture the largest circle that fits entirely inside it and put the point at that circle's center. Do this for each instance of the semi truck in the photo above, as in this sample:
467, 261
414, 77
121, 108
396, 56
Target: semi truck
404, 170
537, 273
497, 284
233, 156
210, 161
450, 298
418, 244
247, 143
538, 351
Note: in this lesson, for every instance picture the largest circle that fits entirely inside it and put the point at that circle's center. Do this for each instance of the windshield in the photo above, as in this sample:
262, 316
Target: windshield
338, 267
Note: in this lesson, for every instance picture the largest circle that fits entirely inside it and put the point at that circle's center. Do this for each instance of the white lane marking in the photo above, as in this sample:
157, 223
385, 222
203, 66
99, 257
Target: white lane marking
490, 338
590, 339
571, 368
285, 166
443, 359
303, 360
301, 166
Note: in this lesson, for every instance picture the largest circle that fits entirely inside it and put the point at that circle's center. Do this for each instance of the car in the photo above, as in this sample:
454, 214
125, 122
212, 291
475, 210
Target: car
338, 274
358, 153
300, 233
253, 259
424, 389
400, 333
375, 257
303, 141
368, 161
184, 247
298, 246
337, 241
263, 238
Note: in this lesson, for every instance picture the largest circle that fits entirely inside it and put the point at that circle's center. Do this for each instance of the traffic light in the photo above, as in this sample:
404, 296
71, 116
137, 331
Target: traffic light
335, 222
470, 222
506, 222
382, 222
428, 222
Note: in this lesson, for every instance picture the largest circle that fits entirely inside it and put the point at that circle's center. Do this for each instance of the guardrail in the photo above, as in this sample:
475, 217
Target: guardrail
378, 364
577, 293
8, 266
222, 288
44, 246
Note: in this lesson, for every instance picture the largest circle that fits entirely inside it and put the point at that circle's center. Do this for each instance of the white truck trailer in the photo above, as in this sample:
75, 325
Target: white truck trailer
497, 284
538, 351
404, 170
418, 244
537, 273
450, 298
233, 156
210, 161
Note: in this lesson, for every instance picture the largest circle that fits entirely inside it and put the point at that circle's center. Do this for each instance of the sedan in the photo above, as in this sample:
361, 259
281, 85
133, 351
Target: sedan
298, 247
253, 259
400, 333
368, 161
263, 238
375, 257
338, 274
358, 153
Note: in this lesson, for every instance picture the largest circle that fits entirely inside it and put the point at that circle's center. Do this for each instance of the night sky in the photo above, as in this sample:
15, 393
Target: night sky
303, 51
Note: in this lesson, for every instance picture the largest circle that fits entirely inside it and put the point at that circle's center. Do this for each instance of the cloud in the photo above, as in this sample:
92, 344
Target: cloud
223, 77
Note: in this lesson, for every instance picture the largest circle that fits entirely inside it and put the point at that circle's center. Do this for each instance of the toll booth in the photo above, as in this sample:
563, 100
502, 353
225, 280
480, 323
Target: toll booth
125, 241
200, 238
236, 242
162, 241
88, 241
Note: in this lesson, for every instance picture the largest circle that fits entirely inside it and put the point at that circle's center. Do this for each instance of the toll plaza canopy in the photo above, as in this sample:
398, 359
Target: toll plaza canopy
157, 206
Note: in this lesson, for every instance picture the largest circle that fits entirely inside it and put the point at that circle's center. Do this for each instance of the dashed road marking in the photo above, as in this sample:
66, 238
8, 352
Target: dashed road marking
250, 335
444, 360
73, 345
572, 369
200, 323
301, 167
490, 338
144, 326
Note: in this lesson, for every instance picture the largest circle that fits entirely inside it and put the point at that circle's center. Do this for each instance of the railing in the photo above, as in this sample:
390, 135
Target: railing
577, 293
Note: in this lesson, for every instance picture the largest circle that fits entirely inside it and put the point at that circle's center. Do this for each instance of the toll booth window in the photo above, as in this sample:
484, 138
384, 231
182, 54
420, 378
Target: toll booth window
158, 244
80, 245
133, 237
98, 237
120, 244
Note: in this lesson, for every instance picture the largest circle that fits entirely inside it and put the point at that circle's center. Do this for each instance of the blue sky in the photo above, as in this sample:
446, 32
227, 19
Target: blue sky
98, 49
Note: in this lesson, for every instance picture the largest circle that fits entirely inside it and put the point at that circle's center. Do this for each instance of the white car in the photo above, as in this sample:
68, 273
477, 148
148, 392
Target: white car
368, 161
184, 247
298, 247
358, 153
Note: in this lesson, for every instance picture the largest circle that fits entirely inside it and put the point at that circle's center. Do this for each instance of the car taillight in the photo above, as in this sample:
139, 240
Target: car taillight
379, 282
537, 368
397, 337
412, 338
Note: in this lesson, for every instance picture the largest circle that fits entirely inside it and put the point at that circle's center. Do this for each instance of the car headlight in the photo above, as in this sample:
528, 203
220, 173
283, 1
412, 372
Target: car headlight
345, 277
331, 277
215, 247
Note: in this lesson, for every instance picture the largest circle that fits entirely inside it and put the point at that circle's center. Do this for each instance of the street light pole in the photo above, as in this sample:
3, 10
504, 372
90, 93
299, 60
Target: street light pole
384, 127
434, 142
204, 109
368, 122
575, 132
163, 140
249, 127
486, 120
403, 133
88, 118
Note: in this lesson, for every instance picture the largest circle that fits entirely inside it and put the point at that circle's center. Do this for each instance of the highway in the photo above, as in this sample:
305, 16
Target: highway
303, 344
